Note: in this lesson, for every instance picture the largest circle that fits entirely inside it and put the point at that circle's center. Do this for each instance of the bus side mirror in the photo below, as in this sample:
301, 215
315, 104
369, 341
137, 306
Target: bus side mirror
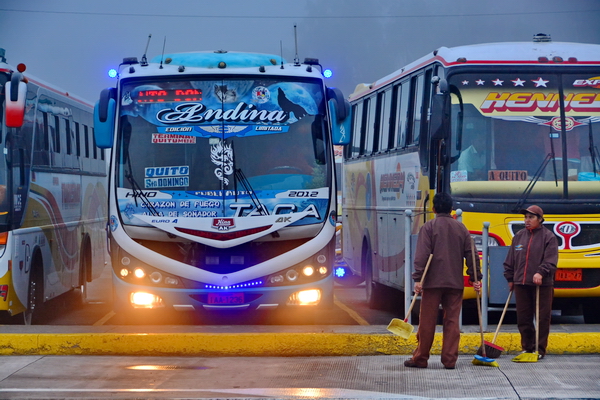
440, 109
440, 116
15, 93
341, 116
104, 118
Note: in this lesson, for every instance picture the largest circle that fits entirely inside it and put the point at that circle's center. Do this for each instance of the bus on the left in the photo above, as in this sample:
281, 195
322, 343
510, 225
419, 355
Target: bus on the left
52, 196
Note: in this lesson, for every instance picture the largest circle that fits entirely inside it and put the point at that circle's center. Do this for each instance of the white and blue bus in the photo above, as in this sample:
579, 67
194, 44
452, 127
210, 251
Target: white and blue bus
53, 211
222, 185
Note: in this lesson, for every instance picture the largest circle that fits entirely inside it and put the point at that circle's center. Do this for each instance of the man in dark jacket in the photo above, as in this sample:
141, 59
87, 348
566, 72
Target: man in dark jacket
530, 263
450, 243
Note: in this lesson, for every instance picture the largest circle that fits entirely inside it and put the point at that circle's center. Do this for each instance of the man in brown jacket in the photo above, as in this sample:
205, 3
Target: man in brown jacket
450, 243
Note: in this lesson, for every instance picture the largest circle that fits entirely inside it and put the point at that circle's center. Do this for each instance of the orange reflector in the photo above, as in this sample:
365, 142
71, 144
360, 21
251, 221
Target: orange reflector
3, 238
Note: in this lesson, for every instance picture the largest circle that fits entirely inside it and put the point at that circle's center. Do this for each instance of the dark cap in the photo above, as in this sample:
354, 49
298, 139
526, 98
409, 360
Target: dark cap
537, 210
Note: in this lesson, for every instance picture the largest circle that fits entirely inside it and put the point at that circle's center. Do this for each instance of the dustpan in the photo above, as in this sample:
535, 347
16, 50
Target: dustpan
401, 327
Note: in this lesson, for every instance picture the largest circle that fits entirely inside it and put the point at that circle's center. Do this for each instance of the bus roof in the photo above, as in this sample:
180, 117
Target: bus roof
506, 53
211, 59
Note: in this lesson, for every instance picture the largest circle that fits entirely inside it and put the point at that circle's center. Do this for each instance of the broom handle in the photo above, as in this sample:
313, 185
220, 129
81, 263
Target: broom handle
478, 298
412, 303
537, 317
502, 317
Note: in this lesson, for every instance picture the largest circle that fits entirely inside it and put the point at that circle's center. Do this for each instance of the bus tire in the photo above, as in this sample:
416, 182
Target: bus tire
591, 312
85, 270
35, 292
375, 295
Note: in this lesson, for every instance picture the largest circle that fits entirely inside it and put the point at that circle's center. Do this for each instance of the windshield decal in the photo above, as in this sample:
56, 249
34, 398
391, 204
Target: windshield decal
545, 102
244, 107
166, 138
222, 156
222, 203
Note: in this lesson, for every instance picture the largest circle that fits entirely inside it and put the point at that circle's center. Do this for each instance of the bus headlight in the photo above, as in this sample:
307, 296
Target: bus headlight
310, 297
305, 272
292, 275
156, 277
139, 273
308, 270
135, 272
145, 300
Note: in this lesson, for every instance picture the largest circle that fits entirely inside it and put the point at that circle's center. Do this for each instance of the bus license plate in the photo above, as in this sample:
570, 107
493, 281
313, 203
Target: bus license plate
226, 298
570, 275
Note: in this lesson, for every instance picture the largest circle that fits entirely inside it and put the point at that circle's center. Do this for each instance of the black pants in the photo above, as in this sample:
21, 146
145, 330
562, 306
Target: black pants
525, 301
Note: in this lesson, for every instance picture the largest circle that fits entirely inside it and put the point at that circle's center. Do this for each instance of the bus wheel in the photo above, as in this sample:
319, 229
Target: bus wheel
375, 296
35, 293
84, 268
591, 312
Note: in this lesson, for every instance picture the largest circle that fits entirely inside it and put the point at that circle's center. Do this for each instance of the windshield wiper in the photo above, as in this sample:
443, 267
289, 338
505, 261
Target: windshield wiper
532, 182
593, 149
135, 187
239, 176
138, 192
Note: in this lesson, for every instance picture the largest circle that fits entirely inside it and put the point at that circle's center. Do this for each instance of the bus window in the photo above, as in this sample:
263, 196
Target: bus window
357, 123
68, 134
363, 126
41, 143
86, 136
384, 119
94, 148
403, 96
370, 118
77, 140
418, 91
56, 134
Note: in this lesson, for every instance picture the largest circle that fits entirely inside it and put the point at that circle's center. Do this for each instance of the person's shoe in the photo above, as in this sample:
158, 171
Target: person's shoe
449, 366
412, 364
540, 356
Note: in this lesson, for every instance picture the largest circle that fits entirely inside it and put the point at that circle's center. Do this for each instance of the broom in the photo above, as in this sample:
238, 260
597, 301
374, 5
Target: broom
492, 349
482, 359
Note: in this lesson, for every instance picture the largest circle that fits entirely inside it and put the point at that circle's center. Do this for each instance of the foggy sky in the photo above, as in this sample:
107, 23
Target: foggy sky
73, 43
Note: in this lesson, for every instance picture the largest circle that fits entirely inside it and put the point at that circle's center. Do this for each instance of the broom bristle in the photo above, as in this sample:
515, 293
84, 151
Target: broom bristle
491, 350
484, 363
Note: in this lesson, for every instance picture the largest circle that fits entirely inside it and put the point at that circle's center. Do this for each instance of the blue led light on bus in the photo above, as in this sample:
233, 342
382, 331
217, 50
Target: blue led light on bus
328, 73
112, 73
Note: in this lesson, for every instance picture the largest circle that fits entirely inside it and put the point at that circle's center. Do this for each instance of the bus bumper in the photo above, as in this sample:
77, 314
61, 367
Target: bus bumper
262, 298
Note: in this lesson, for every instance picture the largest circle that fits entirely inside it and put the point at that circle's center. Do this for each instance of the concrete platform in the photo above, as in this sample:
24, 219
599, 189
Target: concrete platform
368, 377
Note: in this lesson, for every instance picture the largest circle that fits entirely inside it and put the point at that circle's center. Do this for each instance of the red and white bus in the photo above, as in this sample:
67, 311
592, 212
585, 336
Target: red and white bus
53, 212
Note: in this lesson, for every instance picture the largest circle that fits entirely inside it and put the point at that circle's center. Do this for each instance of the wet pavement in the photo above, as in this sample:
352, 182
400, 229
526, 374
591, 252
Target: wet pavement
340, 377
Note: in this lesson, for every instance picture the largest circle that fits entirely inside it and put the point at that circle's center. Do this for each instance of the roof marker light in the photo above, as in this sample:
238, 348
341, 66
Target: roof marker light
112, 73
327, 73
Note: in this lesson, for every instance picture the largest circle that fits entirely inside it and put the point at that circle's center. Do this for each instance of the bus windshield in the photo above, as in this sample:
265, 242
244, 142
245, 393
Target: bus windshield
507, 132
4, 193
221, 148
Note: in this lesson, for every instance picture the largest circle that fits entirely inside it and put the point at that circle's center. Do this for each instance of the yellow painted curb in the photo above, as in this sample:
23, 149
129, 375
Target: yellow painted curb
267, 344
